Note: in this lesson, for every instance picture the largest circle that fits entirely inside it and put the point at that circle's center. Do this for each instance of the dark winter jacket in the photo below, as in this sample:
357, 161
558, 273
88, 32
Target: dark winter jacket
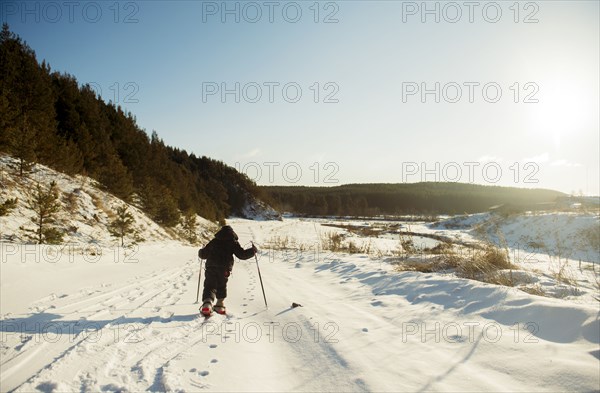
219, 251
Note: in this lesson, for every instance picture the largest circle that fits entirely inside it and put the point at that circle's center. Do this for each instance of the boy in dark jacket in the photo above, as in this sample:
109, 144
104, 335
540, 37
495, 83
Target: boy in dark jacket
219, 254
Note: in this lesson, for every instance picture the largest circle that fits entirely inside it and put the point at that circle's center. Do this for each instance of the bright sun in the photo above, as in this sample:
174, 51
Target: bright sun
562, 110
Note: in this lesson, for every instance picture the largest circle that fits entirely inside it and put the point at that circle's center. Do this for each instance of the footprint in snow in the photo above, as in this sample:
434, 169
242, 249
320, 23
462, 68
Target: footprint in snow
47, 386
457, 339
365, 330
213, 346
377, 303
214, 360
203, 373
166, 315
361, 383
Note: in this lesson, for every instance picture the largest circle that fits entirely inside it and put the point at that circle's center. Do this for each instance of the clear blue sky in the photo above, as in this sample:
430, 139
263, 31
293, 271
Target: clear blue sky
374, 59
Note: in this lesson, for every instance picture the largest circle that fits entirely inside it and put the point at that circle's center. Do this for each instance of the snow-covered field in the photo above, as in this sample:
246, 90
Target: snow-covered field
89, 316
129, 323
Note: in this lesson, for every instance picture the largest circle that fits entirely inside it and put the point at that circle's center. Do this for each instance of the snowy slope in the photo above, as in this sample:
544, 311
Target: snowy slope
559, 234
564, 234
86, 210
557, 252
258, 210
114, 326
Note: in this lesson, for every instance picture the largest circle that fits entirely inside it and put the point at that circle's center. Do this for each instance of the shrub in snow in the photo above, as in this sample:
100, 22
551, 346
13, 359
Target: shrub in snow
7, 206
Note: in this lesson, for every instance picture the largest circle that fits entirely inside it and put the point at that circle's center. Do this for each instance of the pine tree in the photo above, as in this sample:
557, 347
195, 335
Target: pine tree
22, 145
6, 121
26, 99
6, 112
45, 204
159, 203
168, 213
115, 177
122, 225
189, 224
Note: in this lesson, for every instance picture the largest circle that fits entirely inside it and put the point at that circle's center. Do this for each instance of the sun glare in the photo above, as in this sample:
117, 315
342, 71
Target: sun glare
561, 112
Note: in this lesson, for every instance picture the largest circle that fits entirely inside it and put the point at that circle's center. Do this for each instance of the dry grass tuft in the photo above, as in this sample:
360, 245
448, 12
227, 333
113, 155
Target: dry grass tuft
534, 290
489, 264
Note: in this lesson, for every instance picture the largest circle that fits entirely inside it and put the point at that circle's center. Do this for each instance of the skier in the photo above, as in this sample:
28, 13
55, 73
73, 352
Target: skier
219, 263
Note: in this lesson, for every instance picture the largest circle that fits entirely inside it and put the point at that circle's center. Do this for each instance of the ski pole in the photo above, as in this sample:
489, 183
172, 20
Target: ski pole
199, 279
261, 282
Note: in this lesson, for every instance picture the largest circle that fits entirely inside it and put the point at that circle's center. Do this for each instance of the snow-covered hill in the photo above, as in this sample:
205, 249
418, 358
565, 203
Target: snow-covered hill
86, 210
556, 253
258, 210
573, 235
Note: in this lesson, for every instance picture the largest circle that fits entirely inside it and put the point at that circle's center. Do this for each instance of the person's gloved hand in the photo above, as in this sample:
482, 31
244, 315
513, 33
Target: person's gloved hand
254, 249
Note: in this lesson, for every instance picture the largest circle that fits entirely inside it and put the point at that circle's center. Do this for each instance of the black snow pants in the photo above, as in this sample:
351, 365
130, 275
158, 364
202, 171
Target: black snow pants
215, 283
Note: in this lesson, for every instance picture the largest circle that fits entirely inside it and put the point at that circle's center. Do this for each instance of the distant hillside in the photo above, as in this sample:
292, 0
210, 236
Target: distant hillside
421, 198
47, 118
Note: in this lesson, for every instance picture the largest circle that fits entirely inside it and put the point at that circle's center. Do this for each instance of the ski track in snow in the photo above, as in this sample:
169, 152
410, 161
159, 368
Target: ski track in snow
136, 296
352, 333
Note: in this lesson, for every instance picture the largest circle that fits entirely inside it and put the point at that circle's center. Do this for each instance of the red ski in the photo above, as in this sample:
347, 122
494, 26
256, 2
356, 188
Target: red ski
206, 310
220, 310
